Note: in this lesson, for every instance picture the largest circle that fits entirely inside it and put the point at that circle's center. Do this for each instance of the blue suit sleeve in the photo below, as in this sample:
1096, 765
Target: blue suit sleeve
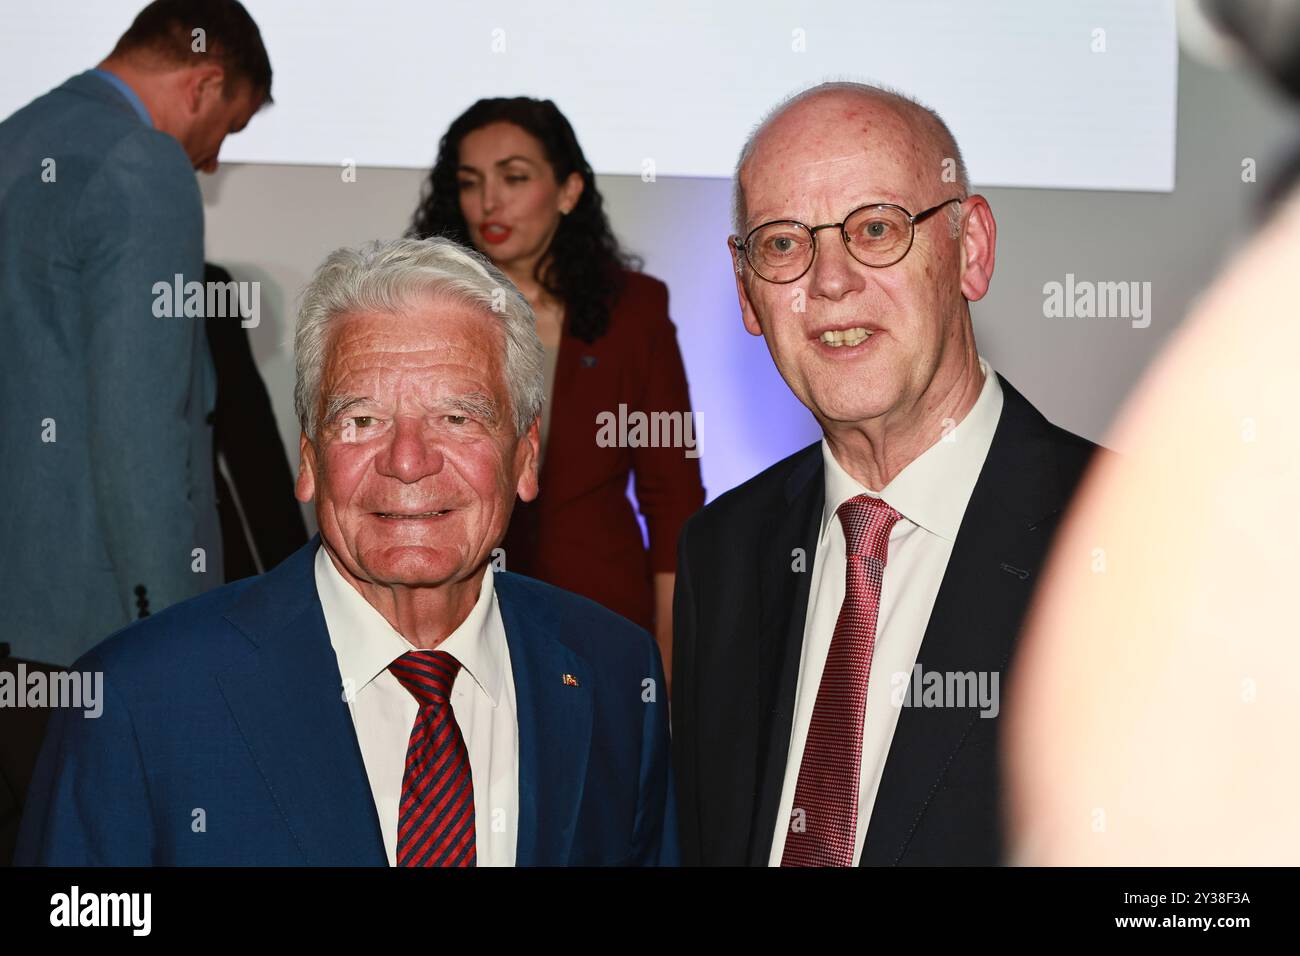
140, 223
88, 803
656, 820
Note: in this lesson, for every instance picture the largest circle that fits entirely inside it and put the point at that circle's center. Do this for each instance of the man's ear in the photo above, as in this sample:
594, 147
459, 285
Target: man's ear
203, 85
528, 458
979, 239
739, 266
304, 488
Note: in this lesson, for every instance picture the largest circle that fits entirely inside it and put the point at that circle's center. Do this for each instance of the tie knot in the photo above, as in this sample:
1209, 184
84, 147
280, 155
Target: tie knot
428, 675
867, 522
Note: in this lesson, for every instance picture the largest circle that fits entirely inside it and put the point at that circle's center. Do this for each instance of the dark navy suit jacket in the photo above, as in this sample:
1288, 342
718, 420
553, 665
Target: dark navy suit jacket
225, 738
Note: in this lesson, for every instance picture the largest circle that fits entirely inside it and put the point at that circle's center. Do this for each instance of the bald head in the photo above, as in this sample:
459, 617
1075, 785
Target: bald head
914, 129
869, 348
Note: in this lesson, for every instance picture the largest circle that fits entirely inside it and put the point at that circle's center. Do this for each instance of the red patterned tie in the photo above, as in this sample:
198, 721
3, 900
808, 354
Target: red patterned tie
823, 824
436, 822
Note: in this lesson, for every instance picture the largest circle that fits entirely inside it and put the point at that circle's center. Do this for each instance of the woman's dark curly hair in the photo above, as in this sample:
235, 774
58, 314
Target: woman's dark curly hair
583, 266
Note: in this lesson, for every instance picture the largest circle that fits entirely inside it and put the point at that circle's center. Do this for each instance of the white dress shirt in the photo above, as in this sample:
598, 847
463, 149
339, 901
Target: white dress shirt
383, 711
931, 494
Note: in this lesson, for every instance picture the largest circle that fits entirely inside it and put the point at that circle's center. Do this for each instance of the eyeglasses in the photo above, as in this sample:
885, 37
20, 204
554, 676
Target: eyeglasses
877, 235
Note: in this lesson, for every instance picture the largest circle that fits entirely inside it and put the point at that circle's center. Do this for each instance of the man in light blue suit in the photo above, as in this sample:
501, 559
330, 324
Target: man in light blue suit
106, 437
388, 694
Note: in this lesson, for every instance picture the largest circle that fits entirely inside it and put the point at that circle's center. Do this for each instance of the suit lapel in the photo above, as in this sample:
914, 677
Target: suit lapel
783, 599
976, 617
555, 720
286, 697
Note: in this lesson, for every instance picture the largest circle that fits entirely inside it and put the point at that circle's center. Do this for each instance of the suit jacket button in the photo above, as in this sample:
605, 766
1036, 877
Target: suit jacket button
212, 417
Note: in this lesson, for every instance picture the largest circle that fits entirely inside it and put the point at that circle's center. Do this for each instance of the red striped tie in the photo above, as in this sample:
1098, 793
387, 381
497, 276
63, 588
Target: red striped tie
436, 821
823, 824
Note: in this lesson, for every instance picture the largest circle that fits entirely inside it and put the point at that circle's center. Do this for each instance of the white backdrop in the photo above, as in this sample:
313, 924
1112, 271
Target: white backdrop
1049, 94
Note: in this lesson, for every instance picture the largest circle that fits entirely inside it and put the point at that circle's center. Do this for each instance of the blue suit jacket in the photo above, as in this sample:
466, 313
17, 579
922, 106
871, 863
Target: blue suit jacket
232, 703
96, 207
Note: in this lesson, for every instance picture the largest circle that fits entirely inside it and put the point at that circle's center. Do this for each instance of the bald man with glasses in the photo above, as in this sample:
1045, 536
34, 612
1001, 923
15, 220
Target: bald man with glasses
843, 621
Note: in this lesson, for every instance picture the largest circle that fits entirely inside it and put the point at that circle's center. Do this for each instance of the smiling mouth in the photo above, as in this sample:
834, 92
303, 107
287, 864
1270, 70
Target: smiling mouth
422, 514
837, 338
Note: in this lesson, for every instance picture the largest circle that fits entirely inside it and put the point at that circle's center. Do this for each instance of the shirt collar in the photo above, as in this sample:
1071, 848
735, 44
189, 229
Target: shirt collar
366, 643
131, 95
933, 489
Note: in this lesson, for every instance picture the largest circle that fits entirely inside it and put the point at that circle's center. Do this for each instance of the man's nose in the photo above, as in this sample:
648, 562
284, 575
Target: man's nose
834, 271
413, 451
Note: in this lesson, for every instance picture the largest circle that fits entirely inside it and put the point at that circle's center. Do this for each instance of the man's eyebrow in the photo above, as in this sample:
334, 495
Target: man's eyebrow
475, 404
336, 405
762, 216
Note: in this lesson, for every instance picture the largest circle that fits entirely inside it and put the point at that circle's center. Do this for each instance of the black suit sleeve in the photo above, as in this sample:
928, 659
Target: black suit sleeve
683, 704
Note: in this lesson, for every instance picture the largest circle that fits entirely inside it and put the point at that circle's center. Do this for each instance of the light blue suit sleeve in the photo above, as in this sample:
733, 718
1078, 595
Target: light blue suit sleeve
140, 222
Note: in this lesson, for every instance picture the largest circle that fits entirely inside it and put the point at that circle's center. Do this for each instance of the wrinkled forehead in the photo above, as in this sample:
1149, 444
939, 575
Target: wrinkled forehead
820, 156
432, 333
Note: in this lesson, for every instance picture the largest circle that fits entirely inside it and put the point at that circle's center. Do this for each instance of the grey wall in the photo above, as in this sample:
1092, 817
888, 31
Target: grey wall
275, 224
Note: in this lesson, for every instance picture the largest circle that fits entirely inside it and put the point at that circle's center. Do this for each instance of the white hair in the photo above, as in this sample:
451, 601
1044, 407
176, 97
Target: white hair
916, 113
392, 277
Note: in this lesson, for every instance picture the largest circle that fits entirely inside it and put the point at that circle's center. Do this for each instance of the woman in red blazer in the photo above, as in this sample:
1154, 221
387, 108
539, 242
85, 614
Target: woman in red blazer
511, 180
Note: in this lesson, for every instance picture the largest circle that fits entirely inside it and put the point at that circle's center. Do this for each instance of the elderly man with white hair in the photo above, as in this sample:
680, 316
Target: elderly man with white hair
385, 695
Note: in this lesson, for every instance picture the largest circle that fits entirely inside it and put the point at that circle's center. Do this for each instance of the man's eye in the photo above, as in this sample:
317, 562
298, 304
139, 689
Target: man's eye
516, 178
782, 245
458, 419
363, 421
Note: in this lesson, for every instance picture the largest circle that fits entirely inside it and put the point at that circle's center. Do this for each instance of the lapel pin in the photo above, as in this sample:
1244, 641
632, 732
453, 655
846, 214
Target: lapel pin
589, 361
569, 680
